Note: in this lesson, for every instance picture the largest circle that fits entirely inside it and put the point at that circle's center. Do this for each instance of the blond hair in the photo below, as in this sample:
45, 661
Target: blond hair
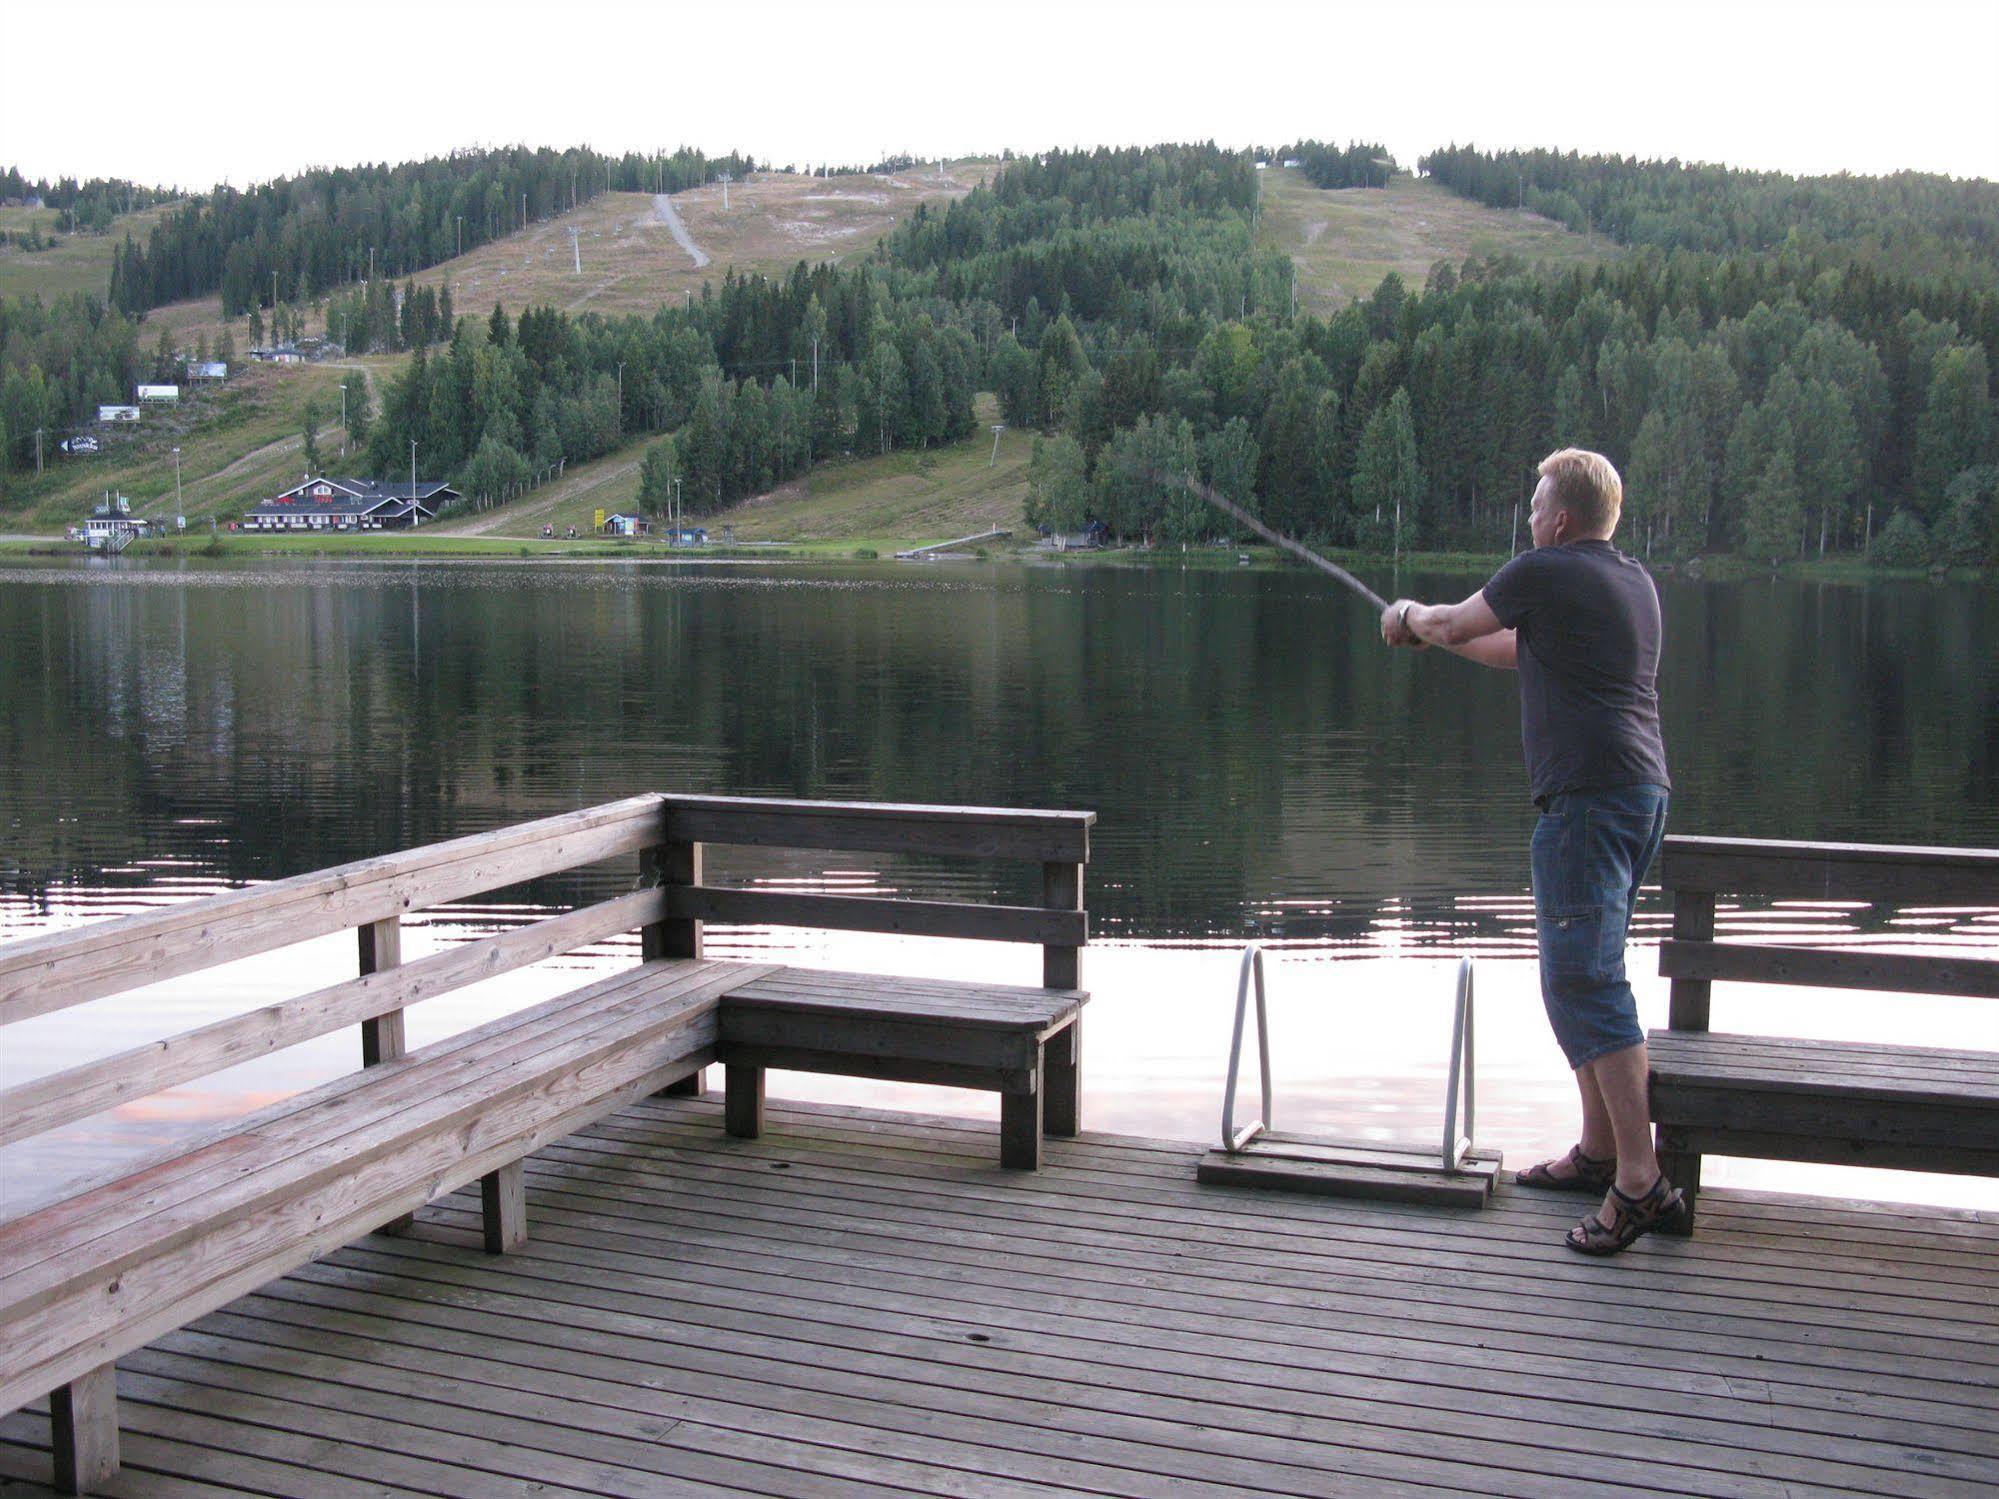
1587, 486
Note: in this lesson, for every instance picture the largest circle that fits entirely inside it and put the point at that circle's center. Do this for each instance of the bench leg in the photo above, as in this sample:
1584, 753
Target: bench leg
1683, 1169
743, 1101
1020, 1130
83, 1431
690, 1086
504, 1196
1062, 1081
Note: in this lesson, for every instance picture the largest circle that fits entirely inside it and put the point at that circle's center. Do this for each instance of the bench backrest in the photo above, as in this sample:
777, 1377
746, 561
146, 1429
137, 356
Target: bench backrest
1696, 870
370, 896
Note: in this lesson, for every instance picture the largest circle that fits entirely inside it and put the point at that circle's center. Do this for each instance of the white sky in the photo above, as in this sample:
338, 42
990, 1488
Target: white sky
188, 93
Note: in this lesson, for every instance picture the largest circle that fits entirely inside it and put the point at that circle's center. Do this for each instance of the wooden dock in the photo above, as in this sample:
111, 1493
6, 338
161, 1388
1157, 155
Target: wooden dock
865, 1303
939, 548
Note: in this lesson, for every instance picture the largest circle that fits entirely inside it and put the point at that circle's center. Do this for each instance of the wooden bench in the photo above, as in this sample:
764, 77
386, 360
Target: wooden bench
116, 1264
1906, 1107
1022, 1042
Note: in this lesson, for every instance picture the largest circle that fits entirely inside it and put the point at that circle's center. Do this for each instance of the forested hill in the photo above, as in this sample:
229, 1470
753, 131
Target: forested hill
1833, 393
1913, 223
87, 207
329, 226
1774, 403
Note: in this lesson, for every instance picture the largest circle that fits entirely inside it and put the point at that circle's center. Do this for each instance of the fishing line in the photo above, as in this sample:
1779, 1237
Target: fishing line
1279, 540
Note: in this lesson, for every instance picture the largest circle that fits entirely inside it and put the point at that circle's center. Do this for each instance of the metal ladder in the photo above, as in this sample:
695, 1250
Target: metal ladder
1456, 1157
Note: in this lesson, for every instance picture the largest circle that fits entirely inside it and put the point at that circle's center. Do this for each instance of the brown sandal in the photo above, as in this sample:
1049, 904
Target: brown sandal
1631, 1219
1591, 1175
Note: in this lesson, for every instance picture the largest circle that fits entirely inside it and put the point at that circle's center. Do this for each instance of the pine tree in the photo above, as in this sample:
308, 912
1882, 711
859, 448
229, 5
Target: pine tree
1387, 484
1829, 469
1772, 516
1058, 494
656, 475
312, 437
1955, 432
1649, 482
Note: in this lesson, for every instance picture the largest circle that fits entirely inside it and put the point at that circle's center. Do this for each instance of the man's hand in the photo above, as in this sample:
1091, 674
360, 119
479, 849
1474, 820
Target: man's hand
1394, 629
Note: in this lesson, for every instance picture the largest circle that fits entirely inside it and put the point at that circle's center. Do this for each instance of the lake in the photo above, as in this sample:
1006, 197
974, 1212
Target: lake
1260, 766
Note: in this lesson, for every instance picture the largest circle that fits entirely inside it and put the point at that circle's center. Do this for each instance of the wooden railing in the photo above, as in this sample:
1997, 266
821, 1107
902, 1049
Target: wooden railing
1697, 869
1870, 1130
372, 896
1058, 841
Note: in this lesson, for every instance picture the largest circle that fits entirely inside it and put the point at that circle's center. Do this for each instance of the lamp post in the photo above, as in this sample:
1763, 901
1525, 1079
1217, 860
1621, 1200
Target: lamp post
673, 521
998, 427
177, 508
416, 515
621, 398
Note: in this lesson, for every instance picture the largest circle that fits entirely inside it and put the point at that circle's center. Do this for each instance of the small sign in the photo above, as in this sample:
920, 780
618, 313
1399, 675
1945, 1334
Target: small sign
79, 444
600, 520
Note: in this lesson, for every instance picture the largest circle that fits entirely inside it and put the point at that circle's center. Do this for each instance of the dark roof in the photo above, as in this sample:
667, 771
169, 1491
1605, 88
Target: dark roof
357, 496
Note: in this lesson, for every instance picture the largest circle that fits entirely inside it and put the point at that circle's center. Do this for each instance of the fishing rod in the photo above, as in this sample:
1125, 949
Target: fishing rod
1277, 538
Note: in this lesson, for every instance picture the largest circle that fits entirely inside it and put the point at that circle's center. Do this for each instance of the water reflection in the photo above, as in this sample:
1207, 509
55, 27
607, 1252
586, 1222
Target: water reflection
1260, 766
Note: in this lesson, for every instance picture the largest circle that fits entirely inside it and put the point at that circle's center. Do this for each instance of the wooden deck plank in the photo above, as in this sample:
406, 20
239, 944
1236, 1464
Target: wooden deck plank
1137, 1155
758, 1371
865, 1302
1149, 1301
1249, 1379
631, 1425
1519, 1216
548, 1450
1249, 1225
259, 1463
1145, 1307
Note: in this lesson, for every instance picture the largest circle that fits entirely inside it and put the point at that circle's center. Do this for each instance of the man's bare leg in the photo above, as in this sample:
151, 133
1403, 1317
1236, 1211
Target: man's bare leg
1622, 1082
1597, 1141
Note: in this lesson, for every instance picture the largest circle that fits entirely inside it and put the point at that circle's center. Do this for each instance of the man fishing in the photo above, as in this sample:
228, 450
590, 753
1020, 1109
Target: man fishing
1579, 621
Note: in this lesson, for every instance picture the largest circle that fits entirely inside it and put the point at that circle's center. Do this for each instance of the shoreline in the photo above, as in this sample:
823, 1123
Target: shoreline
449, 546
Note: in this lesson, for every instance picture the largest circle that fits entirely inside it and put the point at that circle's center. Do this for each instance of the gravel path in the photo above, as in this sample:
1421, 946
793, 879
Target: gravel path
662, 207
538, 504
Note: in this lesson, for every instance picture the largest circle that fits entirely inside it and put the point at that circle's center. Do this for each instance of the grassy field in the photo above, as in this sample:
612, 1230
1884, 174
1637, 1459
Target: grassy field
76, 262
240, 443
631, 261
889, 501
1345, 240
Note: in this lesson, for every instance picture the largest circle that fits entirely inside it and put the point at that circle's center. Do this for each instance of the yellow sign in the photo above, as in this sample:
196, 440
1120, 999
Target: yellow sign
600, 520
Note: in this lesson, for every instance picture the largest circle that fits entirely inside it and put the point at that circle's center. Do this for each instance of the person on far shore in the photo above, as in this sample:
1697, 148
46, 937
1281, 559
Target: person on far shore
1579, 621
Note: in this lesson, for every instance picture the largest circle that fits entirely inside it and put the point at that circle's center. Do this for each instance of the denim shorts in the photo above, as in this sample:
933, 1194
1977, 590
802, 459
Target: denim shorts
1590, 851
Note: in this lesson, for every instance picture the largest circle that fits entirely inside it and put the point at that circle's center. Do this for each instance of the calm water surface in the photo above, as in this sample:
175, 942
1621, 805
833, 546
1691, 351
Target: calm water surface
1260, 766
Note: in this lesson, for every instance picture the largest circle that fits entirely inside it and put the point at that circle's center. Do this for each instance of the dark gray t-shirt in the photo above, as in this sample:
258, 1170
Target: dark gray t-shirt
1587, 618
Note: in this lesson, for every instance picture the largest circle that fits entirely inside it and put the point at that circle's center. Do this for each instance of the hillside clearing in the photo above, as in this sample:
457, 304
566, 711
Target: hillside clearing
903, 498
76, 262
631, 260
240, 443
1344, 240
